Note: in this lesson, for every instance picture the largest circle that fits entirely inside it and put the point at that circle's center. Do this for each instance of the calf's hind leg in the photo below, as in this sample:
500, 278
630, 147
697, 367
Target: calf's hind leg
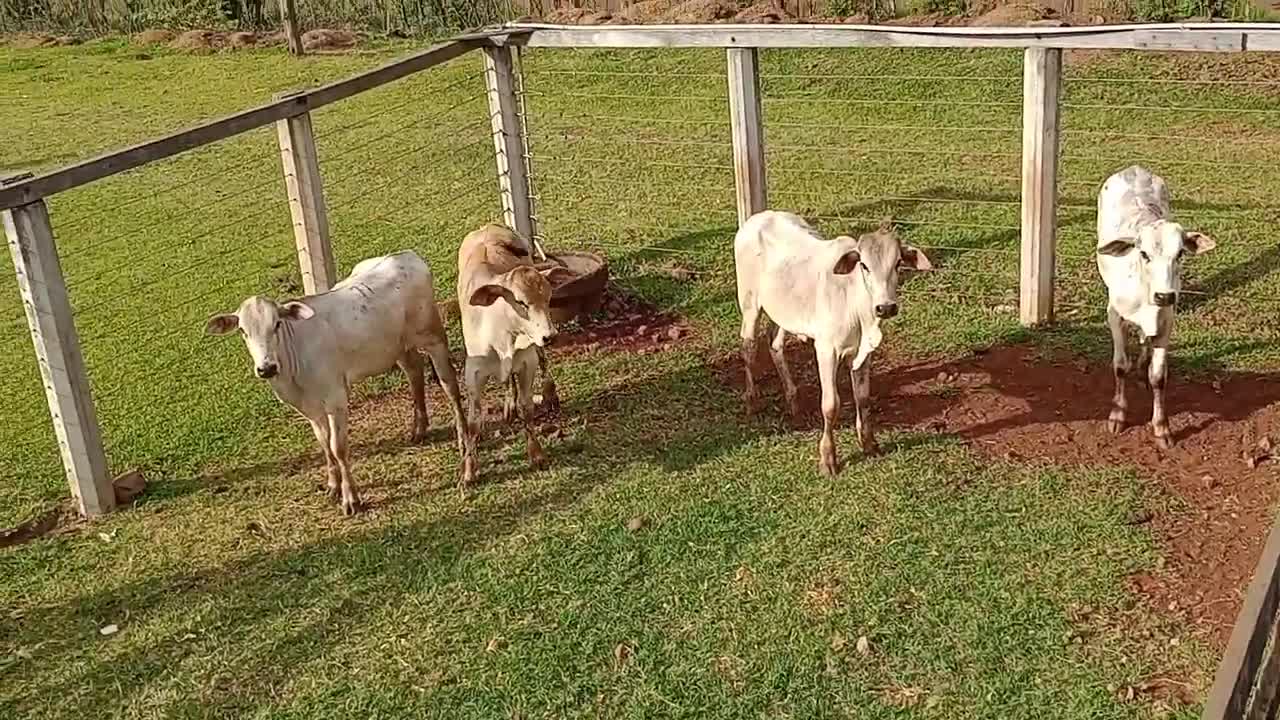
777, 351
411, 364
750, 322
438, 351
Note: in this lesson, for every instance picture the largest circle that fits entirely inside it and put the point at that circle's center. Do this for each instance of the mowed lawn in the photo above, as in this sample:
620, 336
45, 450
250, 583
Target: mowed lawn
929, 582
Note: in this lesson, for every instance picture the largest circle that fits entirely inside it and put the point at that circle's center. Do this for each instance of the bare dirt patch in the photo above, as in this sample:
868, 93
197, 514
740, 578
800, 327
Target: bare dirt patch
1010, 403
625, 324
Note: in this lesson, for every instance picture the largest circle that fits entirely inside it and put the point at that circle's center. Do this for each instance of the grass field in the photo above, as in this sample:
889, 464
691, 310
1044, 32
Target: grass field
238, 591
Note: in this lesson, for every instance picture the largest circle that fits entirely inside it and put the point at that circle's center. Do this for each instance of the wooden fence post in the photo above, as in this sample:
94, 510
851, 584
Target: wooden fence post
1232, 685
53, 332
306, 203
289, 19
745, 117
508, 139
1041, 88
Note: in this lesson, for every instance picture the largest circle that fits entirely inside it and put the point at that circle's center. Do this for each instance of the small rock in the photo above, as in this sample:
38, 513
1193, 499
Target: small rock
642, 330
1209, 482
675, 332
495, 644
1217, 386
1142, 517
107, 537
107, 630
942, 377
838, 642
635, 524
863, 646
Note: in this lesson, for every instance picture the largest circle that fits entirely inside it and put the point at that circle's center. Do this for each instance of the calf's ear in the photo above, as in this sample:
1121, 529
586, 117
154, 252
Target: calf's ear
486, 295
221, 324
847, 263
1116, 248
1197, 243
911, 257
296, 311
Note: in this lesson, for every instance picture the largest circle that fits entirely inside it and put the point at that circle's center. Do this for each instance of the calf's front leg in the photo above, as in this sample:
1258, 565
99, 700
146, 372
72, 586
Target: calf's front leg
475, 374
339, 447
1157, 375
333, 477
550, 396
828, 359
524, 397
1120, 367
860, 379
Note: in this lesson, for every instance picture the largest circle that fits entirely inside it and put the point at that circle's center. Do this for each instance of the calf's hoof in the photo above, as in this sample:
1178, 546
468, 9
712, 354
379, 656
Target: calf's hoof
537, 458
550, 399
418, 434
871, 449
1115, 423
828, 464
350, 505
1164, 441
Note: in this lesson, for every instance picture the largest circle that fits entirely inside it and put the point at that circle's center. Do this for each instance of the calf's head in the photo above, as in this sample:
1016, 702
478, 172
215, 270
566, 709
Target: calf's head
260, 321
874, 260
526, 295
1157, 253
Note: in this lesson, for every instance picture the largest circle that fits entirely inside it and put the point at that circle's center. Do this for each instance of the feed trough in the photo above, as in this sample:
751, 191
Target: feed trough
583, 294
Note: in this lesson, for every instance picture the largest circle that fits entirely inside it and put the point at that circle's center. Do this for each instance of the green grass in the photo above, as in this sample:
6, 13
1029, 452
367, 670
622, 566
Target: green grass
239, 591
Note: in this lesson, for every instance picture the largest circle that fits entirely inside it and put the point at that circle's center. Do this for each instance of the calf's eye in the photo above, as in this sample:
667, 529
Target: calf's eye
1145, 256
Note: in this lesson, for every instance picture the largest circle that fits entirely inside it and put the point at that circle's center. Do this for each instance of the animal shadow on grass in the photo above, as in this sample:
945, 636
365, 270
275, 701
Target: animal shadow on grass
281, 608
1016, 394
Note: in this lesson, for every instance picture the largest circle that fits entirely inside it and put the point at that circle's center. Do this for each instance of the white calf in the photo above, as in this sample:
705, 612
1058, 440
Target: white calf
504, 302
835, 292
1140, 251
312, 350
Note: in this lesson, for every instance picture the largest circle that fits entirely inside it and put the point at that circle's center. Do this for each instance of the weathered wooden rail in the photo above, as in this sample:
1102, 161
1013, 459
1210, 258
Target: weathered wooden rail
1247, 682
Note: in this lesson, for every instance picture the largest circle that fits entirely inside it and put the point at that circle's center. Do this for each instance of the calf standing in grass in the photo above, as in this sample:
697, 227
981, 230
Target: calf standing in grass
312, 350
505, 303
835, 292
1140, 252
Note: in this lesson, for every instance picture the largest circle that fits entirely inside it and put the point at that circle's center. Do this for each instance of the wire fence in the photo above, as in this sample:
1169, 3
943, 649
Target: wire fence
631, 155
150, 254
632, 152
